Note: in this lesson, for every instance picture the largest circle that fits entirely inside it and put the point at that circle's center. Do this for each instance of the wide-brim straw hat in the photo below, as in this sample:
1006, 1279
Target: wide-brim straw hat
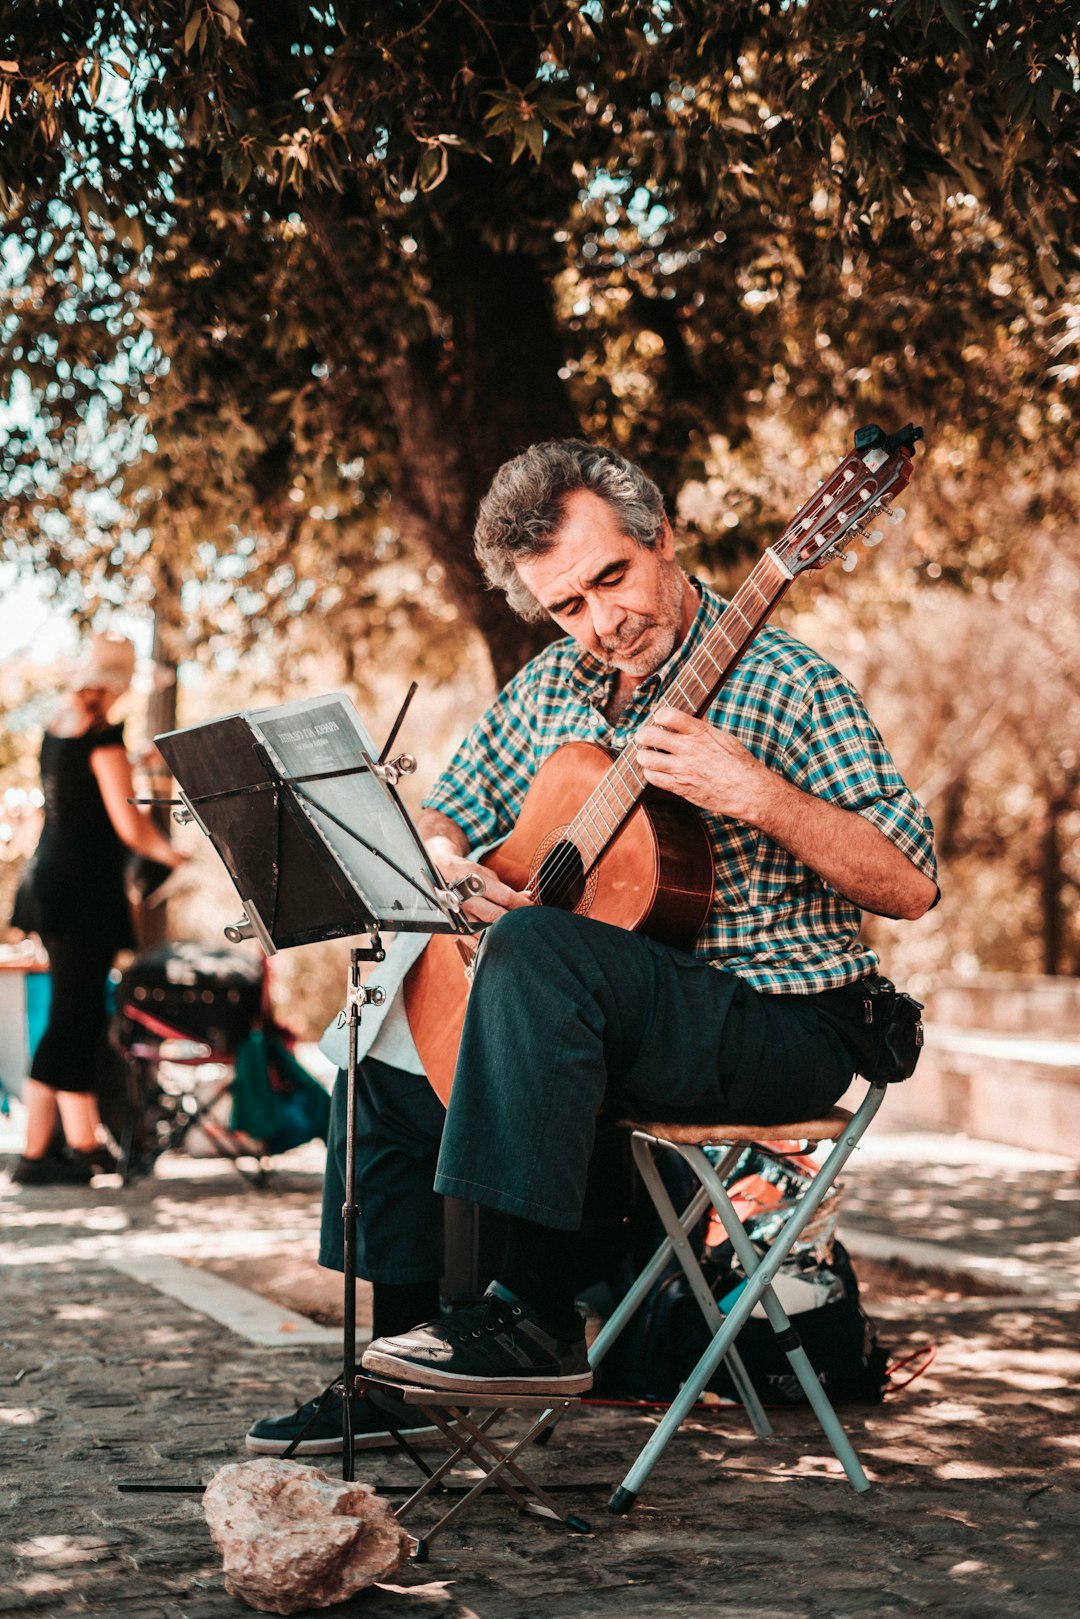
107, 663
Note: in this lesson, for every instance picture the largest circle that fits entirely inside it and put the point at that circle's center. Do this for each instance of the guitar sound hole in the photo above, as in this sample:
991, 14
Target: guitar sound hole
561, 878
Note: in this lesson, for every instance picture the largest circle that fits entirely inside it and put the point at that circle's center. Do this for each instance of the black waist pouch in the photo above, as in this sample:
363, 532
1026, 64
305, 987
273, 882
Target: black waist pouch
881, 1026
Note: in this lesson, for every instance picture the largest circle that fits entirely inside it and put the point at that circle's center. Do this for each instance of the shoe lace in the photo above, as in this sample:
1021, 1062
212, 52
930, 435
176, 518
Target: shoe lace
488, 1315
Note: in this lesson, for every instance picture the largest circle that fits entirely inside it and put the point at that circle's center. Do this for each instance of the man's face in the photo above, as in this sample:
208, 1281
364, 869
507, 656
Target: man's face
628, 606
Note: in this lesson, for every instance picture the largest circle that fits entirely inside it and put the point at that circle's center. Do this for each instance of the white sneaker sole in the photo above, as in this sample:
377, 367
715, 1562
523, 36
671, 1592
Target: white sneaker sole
427, 1377
334, 1447
306, 1447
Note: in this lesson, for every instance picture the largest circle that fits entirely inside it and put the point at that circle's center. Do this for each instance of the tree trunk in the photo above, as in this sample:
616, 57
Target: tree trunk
1053, 880
463, 408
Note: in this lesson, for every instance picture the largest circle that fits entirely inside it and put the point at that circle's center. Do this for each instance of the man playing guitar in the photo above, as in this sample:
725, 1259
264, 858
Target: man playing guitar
808, 823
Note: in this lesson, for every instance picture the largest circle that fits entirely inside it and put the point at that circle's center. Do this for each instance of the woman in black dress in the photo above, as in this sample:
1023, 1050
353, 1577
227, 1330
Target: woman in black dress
73, 896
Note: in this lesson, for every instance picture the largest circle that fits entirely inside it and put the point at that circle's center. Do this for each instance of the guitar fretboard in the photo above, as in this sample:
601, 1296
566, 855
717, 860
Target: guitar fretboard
697, 683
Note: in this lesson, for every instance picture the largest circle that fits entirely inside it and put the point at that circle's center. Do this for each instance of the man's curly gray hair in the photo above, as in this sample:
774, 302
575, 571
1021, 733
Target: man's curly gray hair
522, 511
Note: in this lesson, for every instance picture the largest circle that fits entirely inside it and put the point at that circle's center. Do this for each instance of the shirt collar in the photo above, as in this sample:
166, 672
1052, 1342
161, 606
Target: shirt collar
594, 682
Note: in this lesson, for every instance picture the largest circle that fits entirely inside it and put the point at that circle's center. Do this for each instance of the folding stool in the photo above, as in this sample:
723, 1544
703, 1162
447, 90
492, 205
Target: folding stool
839, 1126
466, 1420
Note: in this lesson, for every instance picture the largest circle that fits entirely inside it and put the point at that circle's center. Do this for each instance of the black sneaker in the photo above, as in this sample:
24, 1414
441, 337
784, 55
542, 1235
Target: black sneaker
49, 1171
273, 1435
496, 1347
97, 1160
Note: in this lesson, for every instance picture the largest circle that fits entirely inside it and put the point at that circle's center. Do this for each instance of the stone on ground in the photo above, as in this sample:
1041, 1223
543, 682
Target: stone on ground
293, 1538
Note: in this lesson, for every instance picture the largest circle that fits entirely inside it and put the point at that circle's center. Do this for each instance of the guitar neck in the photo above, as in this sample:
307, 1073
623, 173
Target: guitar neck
692, 691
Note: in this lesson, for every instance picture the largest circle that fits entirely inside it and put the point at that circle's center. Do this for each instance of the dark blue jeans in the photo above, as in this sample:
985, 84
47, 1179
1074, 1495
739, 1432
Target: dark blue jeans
568, 1016
399, 1124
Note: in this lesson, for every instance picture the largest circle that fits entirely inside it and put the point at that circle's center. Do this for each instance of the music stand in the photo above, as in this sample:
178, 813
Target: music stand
310, 828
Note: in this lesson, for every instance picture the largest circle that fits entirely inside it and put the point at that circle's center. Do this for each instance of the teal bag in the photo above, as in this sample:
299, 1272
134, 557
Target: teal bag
274, 1098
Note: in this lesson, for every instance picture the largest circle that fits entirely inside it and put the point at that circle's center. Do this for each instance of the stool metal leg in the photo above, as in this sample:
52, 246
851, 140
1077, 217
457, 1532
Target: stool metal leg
787, 1336
761, 1278
473, 1440
434, 1476
679, 1241
632, 1300
678, 1228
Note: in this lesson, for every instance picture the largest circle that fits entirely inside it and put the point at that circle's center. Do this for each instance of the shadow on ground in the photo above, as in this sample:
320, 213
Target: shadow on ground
972, 1513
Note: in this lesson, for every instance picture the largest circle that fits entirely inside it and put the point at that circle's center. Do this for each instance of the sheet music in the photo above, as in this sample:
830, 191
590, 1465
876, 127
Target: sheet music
318, 734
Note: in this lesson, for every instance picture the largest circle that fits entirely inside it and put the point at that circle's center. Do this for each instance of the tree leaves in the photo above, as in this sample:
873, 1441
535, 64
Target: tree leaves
954, 11
433, 167
210, 22
522, 114
713, 215
237, 167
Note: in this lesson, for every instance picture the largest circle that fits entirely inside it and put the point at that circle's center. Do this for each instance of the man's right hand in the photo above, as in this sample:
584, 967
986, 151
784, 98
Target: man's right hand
496, 898
448, 847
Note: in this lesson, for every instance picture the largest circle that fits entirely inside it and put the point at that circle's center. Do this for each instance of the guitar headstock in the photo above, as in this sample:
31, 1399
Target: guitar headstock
864, 484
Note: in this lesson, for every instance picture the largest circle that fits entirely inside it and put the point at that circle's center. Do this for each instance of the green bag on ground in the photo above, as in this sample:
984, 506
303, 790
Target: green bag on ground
274, 1098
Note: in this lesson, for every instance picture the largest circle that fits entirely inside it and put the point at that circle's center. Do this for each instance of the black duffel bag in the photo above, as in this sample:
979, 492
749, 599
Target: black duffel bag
209, 993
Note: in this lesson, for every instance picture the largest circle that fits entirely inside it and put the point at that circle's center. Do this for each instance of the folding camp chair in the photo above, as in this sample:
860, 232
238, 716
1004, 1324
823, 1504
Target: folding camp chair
689, 1141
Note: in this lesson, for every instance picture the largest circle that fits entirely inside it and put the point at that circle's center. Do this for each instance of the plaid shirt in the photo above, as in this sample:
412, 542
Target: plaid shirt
773, 921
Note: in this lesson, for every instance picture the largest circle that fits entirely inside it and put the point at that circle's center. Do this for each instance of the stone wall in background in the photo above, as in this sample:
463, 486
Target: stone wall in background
1001, 1063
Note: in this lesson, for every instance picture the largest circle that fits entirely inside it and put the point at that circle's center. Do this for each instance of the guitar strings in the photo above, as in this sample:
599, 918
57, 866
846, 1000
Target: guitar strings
566, 864
563, 866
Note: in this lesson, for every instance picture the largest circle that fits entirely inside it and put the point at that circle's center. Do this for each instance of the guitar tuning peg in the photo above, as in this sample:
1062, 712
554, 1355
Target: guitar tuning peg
850, 560
874, 537
896, 514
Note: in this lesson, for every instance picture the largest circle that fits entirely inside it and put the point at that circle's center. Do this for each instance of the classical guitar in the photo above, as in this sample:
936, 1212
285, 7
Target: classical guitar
593, 836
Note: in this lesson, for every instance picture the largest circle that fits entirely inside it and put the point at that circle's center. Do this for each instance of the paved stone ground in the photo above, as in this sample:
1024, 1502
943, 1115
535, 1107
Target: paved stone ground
973, 1514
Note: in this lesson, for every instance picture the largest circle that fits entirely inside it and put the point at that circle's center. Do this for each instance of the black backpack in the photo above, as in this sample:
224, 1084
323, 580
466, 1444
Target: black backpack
668, 1335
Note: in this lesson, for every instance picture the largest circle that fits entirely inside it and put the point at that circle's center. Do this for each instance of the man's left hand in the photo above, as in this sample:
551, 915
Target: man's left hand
704, 765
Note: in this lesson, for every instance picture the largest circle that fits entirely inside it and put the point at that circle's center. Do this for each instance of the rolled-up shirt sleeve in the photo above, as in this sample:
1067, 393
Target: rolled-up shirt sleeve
834, 750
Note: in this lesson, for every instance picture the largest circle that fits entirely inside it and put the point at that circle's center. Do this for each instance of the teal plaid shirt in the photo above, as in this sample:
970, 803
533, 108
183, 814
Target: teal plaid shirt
773, 921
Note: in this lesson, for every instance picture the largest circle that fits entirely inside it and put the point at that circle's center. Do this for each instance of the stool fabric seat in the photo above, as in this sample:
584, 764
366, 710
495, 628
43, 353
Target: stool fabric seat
839, 1126
829, 1127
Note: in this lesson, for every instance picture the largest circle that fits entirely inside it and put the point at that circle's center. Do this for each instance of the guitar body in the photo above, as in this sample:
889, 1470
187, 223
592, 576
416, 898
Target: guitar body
656, 876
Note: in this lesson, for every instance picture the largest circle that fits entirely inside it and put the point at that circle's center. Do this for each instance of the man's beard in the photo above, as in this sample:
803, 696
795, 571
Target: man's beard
657, 640
659, 634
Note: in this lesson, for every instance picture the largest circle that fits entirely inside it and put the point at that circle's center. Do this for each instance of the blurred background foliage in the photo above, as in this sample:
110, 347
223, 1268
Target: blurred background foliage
282, 285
